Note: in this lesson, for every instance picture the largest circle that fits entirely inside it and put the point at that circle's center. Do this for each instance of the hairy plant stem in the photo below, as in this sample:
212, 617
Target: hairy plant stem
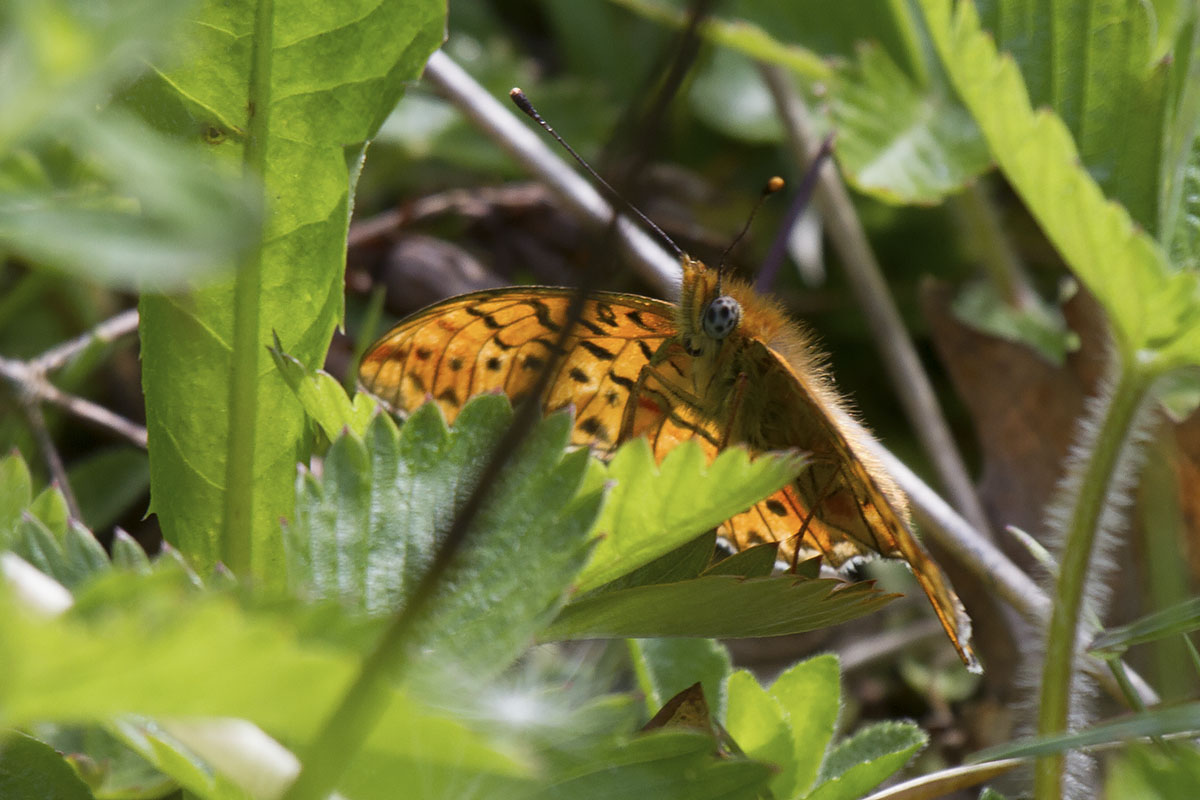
1115, 425
237, 529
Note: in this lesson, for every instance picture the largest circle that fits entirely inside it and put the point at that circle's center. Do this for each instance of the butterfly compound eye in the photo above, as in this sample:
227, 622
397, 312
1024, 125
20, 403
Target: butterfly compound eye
721, 317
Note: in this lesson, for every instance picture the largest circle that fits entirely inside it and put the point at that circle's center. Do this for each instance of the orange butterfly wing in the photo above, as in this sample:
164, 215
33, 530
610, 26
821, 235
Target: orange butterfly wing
499, 341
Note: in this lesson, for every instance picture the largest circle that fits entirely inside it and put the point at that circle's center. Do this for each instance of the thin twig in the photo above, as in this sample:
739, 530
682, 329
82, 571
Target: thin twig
900, 357
33, 382
37, 423
529, 148
110, 330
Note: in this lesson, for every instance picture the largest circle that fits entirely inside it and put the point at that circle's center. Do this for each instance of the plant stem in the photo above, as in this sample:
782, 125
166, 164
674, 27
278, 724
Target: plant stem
1115, 425
237, 529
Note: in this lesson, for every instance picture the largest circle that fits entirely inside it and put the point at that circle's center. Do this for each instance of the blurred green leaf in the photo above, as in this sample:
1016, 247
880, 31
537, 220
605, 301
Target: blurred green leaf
16, 493
30, 770
646, 515
860, 763
367, 529
1150, 772
729, 95
665, 667
336, 71
136, 210
753, 562
153, 645
899, 141
720, 606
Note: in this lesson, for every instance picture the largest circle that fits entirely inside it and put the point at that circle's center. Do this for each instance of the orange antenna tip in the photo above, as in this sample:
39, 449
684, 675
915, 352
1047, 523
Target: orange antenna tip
773, 185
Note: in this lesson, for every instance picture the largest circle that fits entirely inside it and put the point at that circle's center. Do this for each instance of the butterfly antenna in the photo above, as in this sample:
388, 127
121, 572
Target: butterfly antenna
522, 102
773, 186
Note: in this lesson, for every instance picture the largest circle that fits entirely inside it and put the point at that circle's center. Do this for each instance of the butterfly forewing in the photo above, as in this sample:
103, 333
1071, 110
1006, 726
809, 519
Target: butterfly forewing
500, 340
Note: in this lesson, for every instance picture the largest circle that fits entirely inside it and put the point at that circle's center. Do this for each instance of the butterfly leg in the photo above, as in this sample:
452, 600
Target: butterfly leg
656, 400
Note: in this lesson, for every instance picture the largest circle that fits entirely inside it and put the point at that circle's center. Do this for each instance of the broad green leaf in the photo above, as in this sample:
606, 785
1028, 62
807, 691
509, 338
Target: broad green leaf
719, 606
863, 761
755, 721
30, 770
810, 695
899, 141
1150, 308
335, 71
366, 530
653, 509
172, 758
665, 667
665, 764
154, 646
323, 398
1094, 64
1180, 619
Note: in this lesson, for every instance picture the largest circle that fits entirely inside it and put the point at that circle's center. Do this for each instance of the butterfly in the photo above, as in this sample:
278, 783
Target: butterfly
725, 366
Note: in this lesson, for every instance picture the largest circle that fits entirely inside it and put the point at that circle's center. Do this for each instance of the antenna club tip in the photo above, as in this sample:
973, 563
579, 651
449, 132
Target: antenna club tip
774, 185
516, 92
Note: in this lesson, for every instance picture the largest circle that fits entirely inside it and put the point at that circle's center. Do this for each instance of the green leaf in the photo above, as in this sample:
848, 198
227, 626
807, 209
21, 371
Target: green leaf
16, 493
1184, 718
741, 35
112, 770
1179, 619
665, 667
128, 554
70, 559
755, 721
366, 530
30, 770
335, 72
1151, 772
655, 508
1150, 308
863, 761
323, 398
718, 606
809, 694
901, 142
729, 95
1094, 64
684, 562
753, 562
152, 645
665, 764
50, 508
980, 306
